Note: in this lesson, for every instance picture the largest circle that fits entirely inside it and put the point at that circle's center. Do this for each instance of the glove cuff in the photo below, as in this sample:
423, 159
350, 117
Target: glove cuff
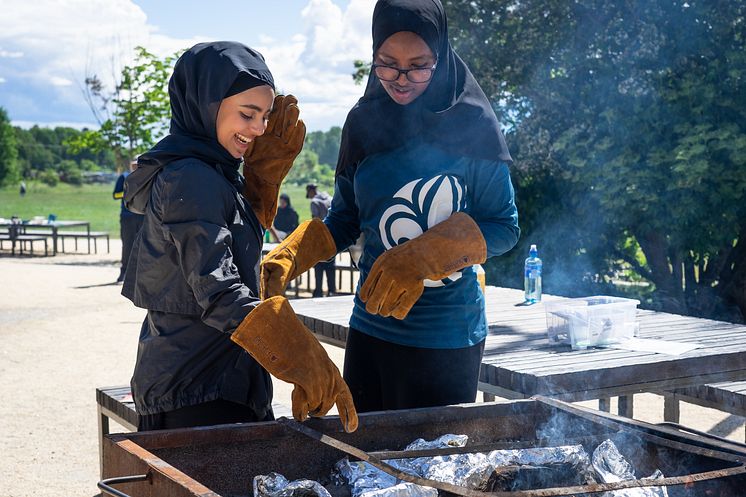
455, 243
260, 330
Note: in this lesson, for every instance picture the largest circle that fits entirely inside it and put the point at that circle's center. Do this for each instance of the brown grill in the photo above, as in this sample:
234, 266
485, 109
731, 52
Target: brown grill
223, 460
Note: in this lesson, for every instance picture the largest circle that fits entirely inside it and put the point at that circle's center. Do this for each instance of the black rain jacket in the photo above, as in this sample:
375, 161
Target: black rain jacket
195, 263
195, 268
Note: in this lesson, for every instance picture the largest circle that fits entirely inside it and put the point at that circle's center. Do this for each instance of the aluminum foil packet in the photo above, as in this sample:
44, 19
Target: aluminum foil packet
276, 485
466, 470
611, 467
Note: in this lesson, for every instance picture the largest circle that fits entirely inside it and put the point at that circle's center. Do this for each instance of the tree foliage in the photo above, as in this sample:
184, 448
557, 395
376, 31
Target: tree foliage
135, 113
628, 125
8, 152
40, 149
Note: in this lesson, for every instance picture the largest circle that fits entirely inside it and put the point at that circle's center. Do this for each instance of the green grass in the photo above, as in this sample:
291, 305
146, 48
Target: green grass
94, 203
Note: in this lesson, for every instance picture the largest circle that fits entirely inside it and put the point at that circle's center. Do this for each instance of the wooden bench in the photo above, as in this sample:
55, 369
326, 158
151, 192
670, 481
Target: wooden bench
23, 241
88, 235
728, 397
115, 403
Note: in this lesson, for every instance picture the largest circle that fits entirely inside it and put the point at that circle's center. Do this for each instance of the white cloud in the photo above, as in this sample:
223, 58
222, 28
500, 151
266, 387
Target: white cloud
76, 38
58, 81
51, 46
2, 80
10, 55
317, 65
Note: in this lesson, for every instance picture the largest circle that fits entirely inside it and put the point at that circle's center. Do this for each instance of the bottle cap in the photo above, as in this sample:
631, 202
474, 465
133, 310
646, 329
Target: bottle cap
532, 251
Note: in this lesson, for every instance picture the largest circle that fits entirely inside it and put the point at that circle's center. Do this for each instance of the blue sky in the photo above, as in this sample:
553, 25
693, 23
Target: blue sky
47, 47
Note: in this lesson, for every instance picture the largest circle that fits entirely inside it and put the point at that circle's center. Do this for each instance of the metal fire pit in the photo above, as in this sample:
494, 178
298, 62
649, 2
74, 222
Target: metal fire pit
221, 461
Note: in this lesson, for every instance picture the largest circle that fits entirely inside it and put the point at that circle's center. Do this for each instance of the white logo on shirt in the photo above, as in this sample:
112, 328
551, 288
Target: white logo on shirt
419, 205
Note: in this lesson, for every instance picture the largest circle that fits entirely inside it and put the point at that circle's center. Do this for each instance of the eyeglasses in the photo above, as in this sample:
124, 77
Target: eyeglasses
416, 75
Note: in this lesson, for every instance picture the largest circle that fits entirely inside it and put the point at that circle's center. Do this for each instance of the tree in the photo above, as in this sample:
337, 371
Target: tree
630, 115
8, 152
325, 144
135, 113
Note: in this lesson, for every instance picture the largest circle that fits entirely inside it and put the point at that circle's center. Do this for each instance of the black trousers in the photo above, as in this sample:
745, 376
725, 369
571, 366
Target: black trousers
384, 376
129, 225
212, 413
320, 270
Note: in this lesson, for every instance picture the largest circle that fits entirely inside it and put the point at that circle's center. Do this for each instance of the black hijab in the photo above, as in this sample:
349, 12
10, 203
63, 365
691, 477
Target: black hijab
203, 76
453, 113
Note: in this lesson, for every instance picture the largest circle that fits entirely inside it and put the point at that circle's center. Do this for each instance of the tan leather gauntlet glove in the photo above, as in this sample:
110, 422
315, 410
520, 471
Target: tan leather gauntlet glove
270, 156
396, 280
276, 338
310, 243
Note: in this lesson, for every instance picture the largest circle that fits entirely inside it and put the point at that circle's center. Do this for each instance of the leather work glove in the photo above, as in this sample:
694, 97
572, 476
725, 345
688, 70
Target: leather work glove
276, 338
270, 156
310, 243
396, 280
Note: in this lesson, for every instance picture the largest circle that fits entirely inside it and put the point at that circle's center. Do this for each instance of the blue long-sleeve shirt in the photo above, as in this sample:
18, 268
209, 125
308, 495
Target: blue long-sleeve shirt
395, 196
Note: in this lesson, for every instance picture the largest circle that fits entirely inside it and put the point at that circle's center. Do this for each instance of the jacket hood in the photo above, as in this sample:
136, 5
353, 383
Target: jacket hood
203, 76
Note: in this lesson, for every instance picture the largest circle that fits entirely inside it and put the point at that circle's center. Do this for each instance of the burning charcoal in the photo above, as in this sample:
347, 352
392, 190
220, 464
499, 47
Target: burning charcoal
276, 485
500, 480
612, 467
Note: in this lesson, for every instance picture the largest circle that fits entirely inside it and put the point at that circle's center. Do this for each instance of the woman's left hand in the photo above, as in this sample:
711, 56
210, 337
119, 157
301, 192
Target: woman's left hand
270, 156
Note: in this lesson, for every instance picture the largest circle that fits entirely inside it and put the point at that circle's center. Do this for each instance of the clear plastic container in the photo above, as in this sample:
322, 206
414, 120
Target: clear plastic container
590, 321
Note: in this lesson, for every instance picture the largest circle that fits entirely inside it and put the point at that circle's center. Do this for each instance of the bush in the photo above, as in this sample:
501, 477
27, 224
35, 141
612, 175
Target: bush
74, 177
49, 177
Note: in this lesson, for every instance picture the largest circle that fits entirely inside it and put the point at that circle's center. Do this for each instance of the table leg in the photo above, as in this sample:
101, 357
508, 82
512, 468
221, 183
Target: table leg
671, 412
604, 404
625, 405
103, 429
54, 240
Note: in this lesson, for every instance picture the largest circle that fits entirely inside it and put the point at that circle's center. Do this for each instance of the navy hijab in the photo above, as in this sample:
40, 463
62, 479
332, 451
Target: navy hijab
203, 76
453, 113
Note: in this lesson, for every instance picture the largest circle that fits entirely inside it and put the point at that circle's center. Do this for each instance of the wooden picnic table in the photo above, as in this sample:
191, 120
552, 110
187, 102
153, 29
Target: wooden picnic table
519, 361
51, 228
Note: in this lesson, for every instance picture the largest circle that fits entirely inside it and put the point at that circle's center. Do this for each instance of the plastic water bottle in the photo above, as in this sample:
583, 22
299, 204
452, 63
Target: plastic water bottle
532, 276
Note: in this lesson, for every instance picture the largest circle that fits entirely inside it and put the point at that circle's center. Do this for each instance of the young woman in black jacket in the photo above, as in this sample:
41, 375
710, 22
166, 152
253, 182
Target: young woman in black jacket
208, 341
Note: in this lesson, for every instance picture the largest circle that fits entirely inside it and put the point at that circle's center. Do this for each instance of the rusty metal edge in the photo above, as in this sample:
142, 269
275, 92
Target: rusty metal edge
159, 468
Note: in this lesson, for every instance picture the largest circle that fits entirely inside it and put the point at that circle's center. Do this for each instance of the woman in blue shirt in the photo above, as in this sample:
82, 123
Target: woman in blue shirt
423, 175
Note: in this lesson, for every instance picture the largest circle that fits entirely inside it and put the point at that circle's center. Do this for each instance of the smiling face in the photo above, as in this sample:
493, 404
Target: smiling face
405, 50
242, 117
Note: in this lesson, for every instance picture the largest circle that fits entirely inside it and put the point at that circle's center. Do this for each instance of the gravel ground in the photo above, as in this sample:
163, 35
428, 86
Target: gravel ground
65, 330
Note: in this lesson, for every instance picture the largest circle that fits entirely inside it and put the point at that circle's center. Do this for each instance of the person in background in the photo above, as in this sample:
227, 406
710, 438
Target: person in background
320, 204
286, 219
209, 343
423, 173
23, 188
129, 222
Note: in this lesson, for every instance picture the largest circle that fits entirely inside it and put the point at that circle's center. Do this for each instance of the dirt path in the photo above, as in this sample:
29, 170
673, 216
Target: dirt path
65, 330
